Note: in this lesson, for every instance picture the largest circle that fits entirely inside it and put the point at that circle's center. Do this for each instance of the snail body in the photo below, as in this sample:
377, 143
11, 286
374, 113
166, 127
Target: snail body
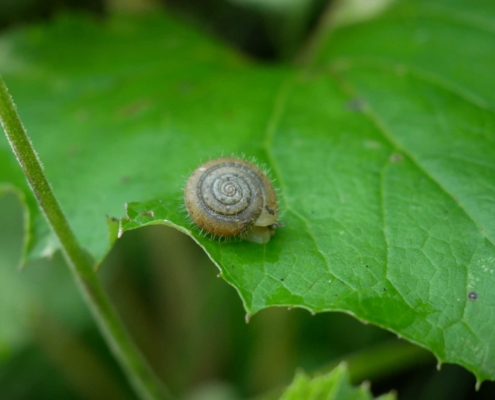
229, 197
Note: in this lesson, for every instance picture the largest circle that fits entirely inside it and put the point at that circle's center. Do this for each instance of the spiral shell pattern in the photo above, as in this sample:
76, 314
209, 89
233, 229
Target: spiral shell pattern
227, 196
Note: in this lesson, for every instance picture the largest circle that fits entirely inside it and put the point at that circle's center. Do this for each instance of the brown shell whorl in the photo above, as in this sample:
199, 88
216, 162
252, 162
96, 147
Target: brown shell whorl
227, 196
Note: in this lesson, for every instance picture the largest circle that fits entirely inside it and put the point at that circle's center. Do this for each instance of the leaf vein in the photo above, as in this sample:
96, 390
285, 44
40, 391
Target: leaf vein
417, 72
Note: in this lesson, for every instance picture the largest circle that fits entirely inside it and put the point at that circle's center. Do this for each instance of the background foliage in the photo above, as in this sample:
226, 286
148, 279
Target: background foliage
411, 145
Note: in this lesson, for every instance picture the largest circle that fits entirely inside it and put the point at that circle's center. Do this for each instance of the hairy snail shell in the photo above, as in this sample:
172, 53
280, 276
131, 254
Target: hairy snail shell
232, 197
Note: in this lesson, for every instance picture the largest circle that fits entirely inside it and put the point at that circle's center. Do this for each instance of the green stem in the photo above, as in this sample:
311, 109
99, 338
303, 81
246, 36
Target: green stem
382, 360
141, 377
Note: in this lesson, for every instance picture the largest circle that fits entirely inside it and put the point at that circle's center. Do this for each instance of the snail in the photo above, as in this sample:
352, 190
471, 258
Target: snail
229, 197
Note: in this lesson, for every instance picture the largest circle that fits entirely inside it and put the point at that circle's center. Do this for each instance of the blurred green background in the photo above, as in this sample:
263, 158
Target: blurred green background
189, 324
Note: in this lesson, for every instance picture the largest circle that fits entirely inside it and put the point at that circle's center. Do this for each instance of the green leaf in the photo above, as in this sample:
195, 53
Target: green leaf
333, 386
383, 151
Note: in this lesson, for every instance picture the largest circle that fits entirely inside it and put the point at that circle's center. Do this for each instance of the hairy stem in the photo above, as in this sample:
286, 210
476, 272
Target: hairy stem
141, 377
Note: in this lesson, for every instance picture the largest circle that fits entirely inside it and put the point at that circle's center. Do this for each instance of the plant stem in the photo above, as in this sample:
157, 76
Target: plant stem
384, 359
141, 377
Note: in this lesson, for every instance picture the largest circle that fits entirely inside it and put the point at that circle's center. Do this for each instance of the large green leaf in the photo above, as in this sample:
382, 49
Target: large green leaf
383, 150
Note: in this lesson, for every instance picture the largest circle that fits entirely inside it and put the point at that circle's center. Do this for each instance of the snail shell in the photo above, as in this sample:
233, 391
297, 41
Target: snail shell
231, 197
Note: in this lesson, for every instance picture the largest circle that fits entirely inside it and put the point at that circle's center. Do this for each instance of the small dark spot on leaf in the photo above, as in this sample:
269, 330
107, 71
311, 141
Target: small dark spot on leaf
384, 289
232, 266
125, 179
185, 87
74, 149
367, 266
312, 212
356, 104
396, 157
400, 70
473, 296
309, 76
135, 108
282, 279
